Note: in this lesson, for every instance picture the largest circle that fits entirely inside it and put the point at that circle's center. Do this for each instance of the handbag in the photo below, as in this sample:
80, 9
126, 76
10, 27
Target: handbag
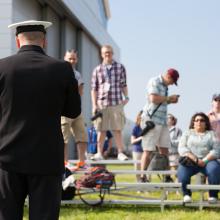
188, 162
159, 162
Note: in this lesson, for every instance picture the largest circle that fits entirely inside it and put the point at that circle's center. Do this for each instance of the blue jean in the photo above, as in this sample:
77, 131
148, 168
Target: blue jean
211, 170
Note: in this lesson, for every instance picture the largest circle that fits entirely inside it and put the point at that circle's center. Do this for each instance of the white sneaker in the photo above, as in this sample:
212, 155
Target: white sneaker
97, 156
212, 200
187, 199
122, 157
69, 181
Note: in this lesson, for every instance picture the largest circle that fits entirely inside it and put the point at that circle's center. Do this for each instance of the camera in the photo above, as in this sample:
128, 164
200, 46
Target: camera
149, 125
97, 115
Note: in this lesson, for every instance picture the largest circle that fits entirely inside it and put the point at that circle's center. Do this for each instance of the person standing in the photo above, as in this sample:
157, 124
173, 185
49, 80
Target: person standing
75, 126
214, 114
35, 91
136, 139
107, 147
158, 99
175, 135
109, 94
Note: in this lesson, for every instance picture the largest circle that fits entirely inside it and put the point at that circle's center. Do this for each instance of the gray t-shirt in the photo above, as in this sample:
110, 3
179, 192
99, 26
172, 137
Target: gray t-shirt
78, 77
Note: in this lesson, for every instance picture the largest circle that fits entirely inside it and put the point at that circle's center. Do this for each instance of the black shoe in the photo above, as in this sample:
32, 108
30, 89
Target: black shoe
168, 179
144, 179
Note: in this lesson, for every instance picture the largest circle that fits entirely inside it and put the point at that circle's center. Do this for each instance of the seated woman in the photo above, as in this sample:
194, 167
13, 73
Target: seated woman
200, 144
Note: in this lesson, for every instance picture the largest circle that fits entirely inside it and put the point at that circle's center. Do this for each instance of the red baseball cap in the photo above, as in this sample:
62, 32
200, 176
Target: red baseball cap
173, 74
216, 96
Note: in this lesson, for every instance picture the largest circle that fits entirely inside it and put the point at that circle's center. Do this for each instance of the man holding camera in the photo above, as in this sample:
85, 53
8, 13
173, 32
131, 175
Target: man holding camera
109, 86
156, 111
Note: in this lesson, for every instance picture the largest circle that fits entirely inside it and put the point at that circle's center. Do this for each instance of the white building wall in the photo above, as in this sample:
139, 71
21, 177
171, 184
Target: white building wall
97, 8
5, 34
53, 34
89, 58
90, 23
24, 10
69, 37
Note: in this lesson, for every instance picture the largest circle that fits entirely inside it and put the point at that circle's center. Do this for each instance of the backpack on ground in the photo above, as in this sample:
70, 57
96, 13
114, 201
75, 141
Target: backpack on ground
96, 178
68, 187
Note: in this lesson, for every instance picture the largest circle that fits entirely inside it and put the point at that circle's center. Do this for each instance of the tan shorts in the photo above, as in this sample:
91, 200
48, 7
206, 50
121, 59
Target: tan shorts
159, 136
113, 119
137, 156
76, 127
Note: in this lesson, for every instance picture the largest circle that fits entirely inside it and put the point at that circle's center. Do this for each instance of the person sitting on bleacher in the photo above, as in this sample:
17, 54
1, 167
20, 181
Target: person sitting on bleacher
199, 144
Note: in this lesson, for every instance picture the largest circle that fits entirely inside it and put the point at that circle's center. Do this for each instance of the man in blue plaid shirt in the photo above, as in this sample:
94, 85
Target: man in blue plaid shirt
157, 96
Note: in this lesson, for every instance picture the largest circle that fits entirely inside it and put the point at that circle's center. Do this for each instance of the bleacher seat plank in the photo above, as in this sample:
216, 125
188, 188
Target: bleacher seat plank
123, 188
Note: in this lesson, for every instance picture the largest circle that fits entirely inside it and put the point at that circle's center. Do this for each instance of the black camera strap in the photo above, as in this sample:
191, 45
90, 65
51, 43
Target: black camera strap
151, 115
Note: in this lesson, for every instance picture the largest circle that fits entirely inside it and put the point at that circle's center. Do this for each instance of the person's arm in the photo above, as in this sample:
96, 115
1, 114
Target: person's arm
157, 99
72, 100
176, 137
94, 92
135, 140
110, 145
215, 152
135, 137
80, 89
184, 149
123, 84
94, 101
125, 93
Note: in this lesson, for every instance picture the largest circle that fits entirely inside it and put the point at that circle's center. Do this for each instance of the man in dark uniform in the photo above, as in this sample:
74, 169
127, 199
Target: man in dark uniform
35, 90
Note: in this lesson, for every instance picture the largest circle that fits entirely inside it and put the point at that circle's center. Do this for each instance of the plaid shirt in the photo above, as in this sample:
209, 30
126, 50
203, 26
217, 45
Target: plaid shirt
115, 78
156, 86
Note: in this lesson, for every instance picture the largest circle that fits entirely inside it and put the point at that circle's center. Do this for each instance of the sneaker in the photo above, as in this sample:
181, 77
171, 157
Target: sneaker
97, 156
122, 157
70, 166
144, 179
168, 179
187, 199
212, 200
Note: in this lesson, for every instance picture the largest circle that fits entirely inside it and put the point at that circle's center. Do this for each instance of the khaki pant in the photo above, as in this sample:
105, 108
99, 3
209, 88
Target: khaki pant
75, 126
113, 119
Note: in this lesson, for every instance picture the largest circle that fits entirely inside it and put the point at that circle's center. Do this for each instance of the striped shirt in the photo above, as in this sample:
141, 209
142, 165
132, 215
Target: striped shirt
157, 86
108, 82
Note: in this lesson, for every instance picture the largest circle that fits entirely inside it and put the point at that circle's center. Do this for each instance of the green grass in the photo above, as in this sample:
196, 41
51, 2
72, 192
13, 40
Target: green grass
135, 212
130, 212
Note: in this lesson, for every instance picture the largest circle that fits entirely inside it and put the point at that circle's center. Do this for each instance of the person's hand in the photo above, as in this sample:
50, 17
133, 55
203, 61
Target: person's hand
173, 98
125, 101
201, 163
94, 109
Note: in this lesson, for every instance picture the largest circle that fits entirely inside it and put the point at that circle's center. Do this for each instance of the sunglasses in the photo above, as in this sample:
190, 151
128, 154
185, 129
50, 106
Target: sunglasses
199, 120
217, 100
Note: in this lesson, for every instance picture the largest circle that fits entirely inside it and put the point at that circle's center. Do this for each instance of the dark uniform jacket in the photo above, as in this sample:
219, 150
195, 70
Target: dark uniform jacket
35, 90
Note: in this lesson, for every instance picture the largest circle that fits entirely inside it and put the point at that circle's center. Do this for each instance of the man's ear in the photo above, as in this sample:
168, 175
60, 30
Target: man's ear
44, 43
17, 42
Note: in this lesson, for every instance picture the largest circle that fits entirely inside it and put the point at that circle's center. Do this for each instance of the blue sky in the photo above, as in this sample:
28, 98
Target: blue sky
154, 35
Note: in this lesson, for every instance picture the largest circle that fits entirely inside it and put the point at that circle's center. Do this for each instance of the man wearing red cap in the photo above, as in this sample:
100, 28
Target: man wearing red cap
156, 111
